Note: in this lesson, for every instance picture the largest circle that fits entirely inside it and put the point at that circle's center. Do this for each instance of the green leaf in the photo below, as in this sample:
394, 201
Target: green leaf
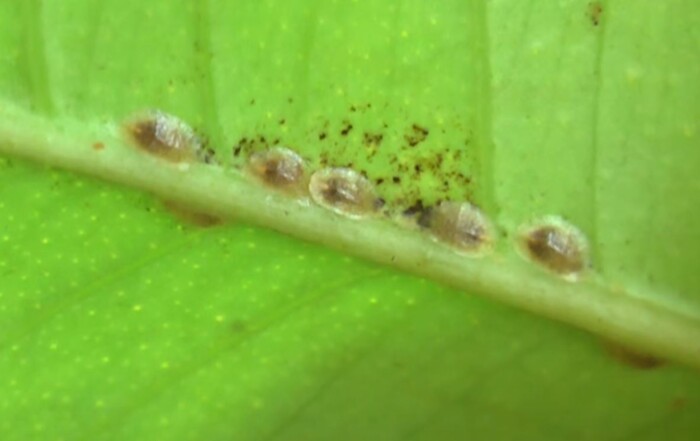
119, 319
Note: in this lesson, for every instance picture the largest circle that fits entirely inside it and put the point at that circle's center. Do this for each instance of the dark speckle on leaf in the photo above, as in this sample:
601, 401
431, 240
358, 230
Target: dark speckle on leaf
250, 144
416, 134
372, 139
346, 128
207, 155
414, 209
595, 12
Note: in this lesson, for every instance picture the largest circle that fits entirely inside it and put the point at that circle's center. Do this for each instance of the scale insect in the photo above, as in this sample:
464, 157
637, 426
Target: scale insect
556, 245
279, 168
344, 191
163, 135
459, 224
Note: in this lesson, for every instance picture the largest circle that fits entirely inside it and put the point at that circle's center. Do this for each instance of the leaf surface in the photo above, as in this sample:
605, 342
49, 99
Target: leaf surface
121, 320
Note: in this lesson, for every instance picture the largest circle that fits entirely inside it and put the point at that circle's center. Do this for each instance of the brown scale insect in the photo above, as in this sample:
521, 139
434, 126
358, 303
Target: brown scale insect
344, 191
557, 246
461, 225
279, 168
164, 136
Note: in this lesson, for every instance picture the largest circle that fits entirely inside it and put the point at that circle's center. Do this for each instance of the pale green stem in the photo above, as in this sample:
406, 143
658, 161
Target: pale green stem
588, 303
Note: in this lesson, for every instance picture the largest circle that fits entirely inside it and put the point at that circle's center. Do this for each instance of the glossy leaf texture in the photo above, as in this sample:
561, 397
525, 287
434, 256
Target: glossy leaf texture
121, 317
